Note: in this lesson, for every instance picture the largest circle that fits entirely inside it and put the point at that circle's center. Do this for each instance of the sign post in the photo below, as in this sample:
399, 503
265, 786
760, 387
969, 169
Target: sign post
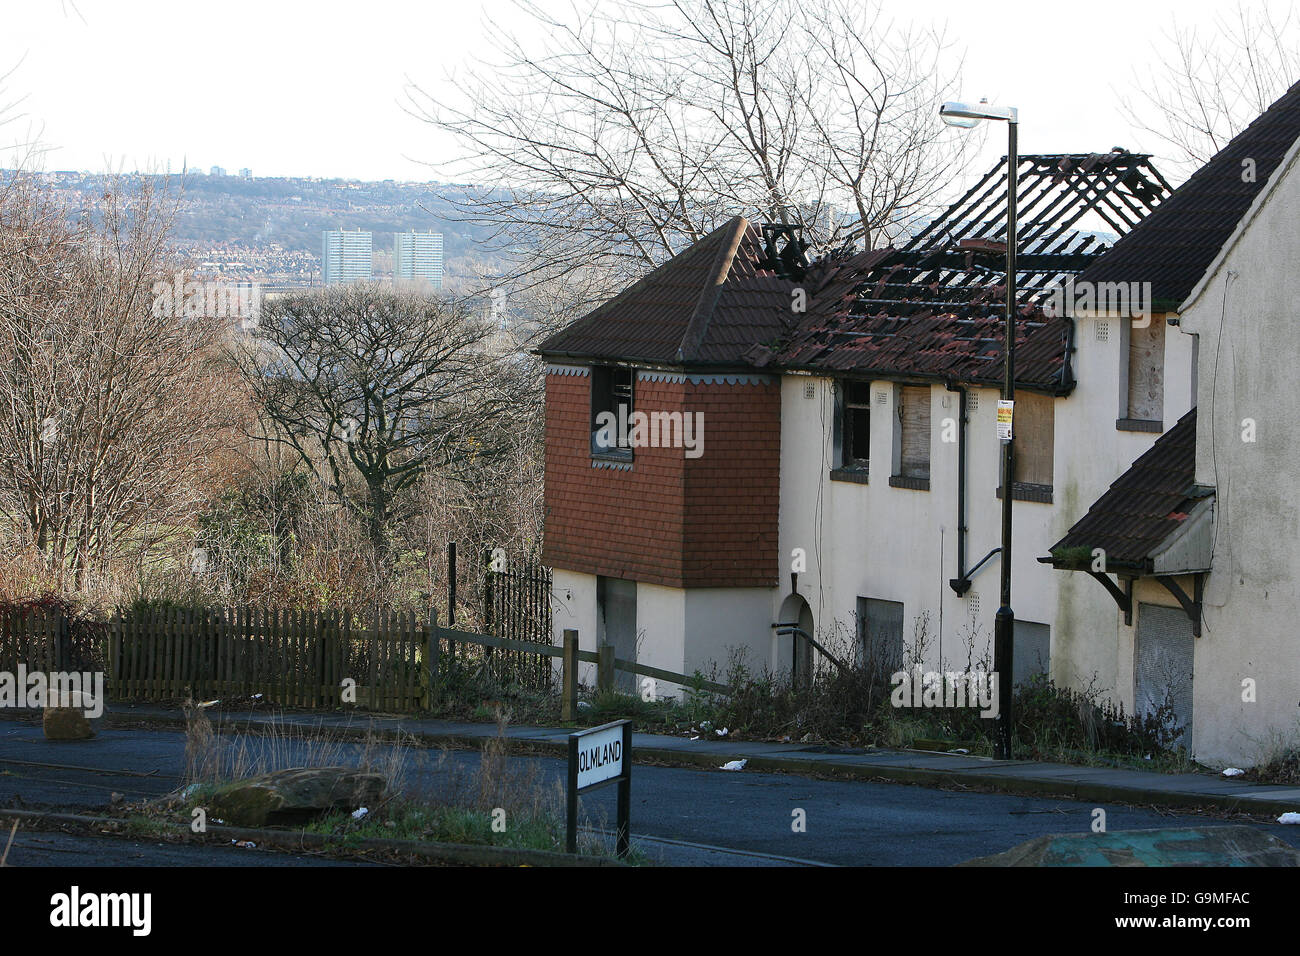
598, 757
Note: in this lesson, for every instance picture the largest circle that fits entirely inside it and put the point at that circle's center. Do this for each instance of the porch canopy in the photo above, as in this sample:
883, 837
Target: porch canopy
1153, 521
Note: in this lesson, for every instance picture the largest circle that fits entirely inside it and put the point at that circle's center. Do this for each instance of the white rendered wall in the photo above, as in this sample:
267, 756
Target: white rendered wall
1246, 320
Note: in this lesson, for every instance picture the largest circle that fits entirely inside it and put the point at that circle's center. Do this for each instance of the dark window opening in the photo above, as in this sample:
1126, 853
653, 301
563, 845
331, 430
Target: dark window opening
611, 408
856, 412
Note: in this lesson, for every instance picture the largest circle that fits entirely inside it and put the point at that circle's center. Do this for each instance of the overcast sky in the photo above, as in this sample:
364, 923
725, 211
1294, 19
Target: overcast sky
290, 87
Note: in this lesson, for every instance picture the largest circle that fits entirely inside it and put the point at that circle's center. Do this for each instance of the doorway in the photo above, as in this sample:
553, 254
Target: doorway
1163, 652
616, 624
793, 652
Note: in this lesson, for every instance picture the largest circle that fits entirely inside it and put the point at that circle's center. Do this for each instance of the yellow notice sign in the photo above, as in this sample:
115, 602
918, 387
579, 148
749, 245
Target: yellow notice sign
1006, 411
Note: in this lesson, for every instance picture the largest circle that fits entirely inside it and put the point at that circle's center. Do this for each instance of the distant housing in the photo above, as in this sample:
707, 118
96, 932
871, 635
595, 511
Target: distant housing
418, 255
346, 256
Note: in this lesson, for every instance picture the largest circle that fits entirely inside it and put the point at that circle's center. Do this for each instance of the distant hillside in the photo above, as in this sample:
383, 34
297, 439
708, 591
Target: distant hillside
293, 212
269, 228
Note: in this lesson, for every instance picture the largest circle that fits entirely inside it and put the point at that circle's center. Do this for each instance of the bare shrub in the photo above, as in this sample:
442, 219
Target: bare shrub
116, 412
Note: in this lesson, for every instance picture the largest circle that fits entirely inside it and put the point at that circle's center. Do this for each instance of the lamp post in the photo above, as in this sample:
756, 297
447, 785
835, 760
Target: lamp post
1004, 627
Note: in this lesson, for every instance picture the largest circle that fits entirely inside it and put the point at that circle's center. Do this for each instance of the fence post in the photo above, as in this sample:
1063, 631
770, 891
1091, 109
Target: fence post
113, 666
487, 606
63, 647
488, 593
451, 583
433, 647
569, 680
605, 667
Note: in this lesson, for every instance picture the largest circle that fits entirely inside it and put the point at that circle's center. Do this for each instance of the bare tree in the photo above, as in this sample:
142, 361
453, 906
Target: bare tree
373, 387
1208, 85
635, 128
112, 409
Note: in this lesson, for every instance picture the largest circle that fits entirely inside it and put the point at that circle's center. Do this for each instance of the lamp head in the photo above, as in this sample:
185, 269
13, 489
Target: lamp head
956, 119
966, 116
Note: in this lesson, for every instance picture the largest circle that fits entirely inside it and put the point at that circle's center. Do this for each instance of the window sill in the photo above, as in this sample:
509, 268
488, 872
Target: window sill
619, 462
1025, 491
1138, 425
855, 475
907, 481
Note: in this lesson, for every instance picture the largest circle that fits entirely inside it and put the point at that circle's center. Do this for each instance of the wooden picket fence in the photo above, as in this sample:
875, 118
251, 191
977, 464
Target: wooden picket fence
289, 658
299, 659
40, 639
29, 638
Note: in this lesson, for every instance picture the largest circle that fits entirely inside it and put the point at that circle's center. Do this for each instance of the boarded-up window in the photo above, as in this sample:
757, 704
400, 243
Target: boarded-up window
616, 624
1146, 371
1032, 649
1034, 430
914, 434
880, 633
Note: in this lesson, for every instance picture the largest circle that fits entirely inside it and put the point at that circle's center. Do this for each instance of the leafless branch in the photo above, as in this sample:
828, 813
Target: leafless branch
613, 138
1208, 85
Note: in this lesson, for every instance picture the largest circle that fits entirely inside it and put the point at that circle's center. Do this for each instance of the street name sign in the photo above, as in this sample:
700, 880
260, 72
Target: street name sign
598, 757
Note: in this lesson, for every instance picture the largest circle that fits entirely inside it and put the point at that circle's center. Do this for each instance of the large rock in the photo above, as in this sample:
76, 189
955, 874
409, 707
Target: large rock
295, 795
71, 722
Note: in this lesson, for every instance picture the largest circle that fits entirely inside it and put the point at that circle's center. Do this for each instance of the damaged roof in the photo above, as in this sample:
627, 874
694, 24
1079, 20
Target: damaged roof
707, 305
919, 339
1174, 246
1141, 509
934, 308
929, 309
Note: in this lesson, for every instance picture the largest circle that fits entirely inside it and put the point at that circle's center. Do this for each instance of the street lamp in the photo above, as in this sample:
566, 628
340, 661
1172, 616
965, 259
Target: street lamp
1004, 627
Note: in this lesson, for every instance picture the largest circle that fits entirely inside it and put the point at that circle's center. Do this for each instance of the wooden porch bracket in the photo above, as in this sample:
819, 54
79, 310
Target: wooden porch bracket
1191, 605
1124, 597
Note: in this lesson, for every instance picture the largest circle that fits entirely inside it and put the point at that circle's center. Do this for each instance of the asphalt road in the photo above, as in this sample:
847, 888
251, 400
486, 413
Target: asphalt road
678, 814
51, 848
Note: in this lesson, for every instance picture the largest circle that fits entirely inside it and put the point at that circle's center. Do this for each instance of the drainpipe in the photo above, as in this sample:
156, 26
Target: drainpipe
961, 583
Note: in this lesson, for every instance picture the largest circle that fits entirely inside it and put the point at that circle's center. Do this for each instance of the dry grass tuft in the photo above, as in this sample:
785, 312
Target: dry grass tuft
213, 756
4, 857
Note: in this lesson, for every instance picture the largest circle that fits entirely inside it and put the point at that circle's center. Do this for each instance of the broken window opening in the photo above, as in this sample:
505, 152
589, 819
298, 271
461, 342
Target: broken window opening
611, 409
